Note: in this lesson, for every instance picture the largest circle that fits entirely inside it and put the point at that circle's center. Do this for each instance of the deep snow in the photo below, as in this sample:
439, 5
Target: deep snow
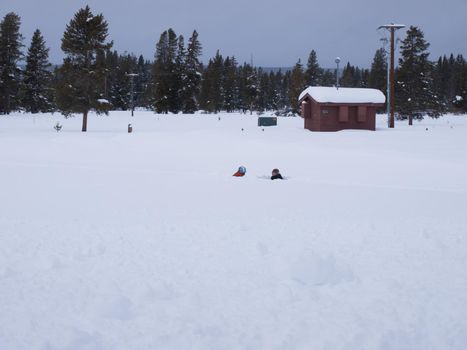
113, 241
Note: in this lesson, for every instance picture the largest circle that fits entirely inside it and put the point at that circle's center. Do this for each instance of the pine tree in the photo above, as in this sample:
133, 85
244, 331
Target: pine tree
348, 76
313, 71
111, 64
264, 85
284, 87
297, 84
36, 94
180, 78
160, 73
328, 78
415, 94
378, 73
213, 95
10, 55
81, 78
461, 84
443, 81
248, 88
165, 77
193, 72
450, 81
364, 78
142, 83
276, 90
120, 88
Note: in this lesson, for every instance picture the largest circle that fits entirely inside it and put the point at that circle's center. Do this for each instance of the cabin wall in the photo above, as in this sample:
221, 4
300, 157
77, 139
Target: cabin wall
335, 117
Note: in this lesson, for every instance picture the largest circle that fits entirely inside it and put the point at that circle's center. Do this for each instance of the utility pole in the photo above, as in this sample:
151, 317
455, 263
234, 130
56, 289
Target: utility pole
391, 28
132, 96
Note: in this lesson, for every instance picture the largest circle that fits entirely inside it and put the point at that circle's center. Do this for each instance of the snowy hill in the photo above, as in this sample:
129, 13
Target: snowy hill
113, 241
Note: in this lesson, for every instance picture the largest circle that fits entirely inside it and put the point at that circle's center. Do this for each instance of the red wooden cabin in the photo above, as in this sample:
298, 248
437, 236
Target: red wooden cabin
332, 109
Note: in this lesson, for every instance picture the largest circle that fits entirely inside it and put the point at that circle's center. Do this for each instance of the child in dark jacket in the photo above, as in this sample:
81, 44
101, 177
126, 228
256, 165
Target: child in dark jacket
276, 174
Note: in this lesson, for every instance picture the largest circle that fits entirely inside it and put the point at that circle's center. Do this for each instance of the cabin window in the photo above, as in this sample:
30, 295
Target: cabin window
361, 113
343, 113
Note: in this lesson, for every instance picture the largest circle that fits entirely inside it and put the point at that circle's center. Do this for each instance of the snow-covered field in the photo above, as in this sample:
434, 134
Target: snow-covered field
121, 241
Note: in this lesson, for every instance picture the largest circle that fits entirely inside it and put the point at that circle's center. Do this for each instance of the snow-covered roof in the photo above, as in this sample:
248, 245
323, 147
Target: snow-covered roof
323, 94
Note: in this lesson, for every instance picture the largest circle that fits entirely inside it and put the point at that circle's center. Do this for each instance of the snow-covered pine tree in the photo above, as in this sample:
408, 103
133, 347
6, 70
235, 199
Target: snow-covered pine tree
272, 92
205, 86
216, 85
81, 78
264, 85
10, 55
111, 61
36, 93
193, 74
172, 76
460, 87
443, 81
415, 93
248, 87
159, 81
120, 90
275, 97
313, 71
231, 93
450, 80
297, 84
284, 86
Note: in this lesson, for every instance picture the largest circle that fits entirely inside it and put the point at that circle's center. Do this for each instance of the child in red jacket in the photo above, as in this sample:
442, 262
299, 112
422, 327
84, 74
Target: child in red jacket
240, 172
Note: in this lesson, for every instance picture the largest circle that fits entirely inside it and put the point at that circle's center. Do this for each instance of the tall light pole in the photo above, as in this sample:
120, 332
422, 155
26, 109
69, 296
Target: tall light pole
132, 96
391, 28
388, 85
337, 60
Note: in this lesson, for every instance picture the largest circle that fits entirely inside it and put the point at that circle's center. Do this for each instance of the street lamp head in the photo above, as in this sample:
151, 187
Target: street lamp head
392, 26
338, 60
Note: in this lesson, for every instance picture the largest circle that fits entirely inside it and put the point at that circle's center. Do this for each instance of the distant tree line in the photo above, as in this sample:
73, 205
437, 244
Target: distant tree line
95, 77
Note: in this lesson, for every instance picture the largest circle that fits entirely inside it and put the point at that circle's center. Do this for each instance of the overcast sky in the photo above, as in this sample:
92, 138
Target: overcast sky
275, 32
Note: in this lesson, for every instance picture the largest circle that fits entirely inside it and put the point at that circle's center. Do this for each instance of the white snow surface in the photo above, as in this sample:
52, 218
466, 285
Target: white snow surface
117, 241
324, 94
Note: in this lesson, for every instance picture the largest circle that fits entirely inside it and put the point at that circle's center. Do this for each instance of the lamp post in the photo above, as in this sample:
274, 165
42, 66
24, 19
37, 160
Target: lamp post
391, 28
132, 96
337, 60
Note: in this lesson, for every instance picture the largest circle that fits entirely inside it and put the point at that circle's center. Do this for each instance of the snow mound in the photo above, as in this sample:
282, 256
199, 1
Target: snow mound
320, 271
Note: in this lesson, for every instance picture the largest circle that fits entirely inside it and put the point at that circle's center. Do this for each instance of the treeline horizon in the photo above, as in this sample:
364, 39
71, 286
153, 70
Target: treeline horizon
93, 76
